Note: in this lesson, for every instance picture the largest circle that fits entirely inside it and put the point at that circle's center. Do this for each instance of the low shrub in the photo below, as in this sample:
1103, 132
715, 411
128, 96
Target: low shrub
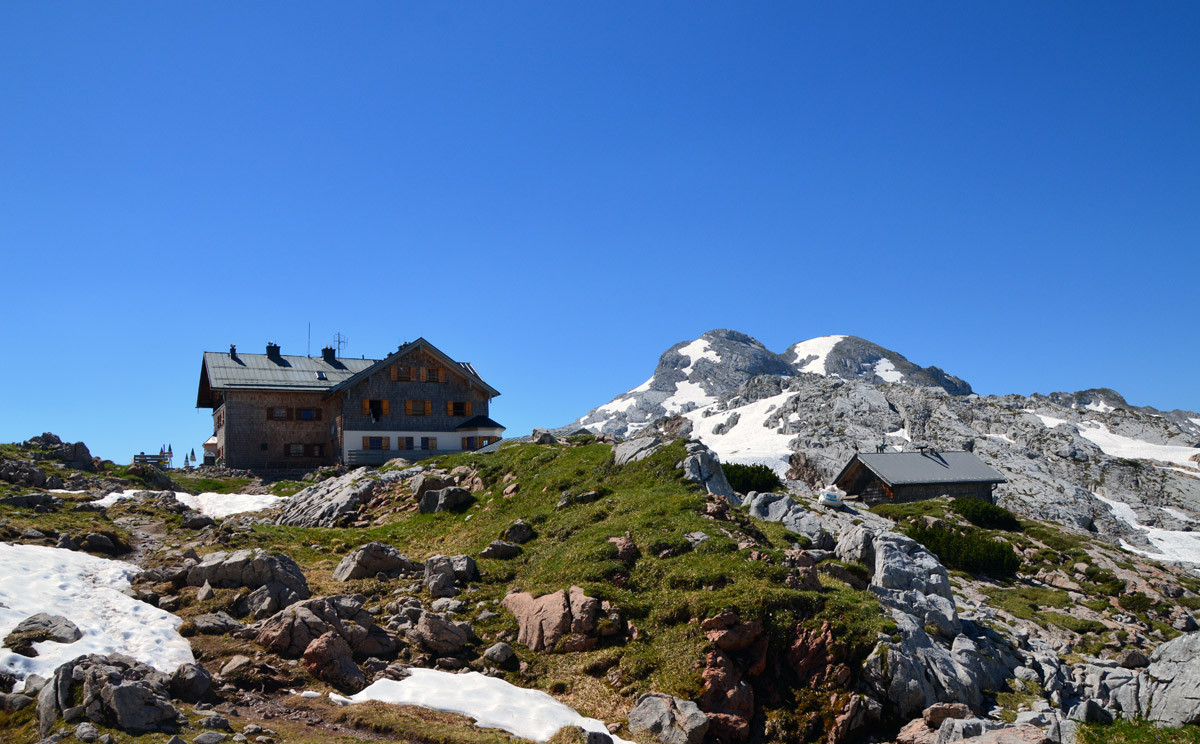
972, 553
1135, 602
986, 514
747, 478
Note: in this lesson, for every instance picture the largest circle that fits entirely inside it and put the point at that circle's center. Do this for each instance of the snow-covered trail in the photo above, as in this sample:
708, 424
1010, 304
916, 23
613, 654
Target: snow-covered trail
87, 591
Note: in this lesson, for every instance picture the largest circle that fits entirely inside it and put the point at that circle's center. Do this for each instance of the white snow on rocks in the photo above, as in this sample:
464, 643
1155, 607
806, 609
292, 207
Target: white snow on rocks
886, 371
215, 505
1135, 449
1099, 406
819, 347
221, 505
114, 497
748, 442
687, 395
695, 351
87, 591
492, 702
1173, 545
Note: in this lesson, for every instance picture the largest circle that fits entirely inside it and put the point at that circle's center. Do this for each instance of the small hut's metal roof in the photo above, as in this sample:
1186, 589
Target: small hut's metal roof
909, 468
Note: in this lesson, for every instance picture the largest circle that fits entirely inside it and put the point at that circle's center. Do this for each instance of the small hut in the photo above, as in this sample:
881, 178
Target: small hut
896, 477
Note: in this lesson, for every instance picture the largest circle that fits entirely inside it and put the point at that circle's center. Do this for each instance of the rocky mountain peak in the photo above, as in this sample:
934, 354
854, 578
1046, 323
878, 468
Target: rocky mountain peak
699, 373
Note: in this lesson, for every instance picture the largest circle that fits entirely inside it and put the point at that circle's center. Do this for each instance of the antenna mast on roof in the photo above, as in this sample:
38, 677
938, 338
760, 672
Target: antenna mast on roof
308, 349
340, 341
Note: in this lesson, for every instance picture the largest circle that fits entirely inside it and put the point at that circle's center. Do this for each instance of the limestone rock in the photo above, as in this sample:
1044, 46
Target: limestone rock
290, 631
276, 579
519, 532
501, 550
668, 719
41, 627
437, 634
372, 559
330, 503
634, 450
451, 498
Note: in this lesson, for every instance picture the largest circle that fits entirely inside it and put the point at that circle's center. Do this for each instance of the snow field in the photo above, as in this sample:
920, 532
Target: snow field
215, 505
748, 442
886, 371
819, 347
1172, 545
87, 591
493, 703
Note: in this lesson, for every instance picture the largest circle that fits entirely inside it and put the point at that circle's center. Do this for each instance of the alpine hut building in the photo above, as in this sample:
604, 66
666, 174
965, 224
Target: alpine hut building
896, 477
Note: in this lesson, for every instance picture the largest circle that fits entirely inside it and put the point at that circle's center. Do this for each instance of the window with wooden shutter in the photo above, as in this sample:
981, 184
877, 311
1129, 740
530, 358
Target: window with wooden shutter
366, 407
464, 443
387, 443
387, 407
404, 374
441, 374
394, 373
449, 408
366, 443
469, 408
428, 408
408, 408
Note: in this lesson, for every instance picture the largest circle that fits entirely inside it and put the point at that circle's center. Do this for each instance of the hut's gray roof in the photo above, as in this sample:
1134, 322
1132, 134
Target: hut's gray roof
259, 371
908, 468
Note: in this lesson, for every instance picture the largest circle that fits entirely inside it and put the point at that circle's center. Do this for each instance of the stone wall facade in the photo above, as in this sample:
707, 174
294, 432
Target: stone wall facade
250, 433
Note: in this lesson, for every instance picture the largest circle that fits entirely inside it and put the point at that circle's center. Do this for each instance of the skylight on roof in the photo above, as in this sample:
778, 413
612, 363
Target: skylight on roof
321, 375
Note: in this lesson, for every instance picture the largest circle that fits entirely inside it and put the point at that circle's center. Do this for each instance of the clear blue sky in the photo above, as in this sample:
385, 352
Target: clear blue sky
558, 192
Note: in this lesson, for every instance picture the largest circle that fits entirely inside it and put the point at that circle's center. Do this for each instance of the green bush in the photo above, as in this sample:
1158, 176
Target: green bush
985, 514
972, 553
747, 478
1135, 602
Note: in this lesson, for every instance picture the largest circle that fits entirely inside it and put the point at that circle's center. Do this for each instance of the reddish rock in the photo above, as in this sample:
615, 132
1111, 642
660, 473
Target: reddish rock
727, 700
811, 657
546, 621
803, 579
848, 721
1023, 734
916, 732
797, 559
329, 658
938, 712
627, 552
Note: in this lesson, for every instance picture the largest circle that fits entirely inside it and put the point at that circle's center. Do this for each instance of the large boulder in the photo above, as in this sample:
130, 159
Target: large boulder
276, 579
1174, 682
372, 559
438, 635
668, 719
113, 690
440, 577
634, 450
41, 627
330, 503
329, 658
562, 621
290, 631
452, 498
702, 466
190, 683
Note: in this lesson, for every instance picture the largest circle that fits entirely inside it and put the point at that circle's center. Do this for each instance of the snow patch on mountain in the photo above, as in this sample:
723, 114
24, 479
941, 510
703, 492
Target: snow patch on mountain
749, 441
886, 371
1171, 545
811, 355
1136, 449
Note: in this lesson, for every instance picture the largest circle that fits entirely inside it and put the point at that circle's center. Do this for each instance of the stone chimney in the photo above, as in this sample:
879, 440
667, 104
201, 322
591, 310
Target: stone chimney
233, 351
327, 354
273, 351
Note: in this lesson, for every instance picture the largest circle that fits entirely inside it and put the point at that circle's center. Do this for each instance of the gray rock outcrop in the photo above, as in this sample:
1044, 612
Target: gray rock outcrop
112, 690
668, 719
290, 631
372, 559
451, 498
330, 503
702, 466
275, 578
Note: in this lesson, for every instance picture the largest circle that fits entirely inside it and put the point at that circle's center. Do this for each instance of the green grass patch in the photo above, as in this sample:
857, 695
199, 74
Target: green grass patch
985, 514
663, 593
1136, 732
967, 550
1025, 601
206, 484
